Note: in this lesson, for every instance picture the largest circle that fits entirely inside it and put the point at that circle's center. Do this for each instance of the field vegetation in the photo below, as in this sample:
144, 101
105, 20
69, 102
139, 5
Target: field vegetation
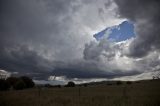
140, 93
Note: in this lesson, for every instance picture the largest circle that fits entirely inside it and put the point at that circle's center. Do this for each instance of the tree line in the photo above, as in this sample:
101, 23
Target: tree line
16, 83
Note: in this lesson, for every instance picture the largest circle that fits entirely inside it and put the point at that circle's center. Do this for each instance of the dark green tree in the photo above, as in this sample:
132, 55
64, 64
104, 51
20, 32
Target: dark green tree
19, 85
28, 82
12, 80
70, 84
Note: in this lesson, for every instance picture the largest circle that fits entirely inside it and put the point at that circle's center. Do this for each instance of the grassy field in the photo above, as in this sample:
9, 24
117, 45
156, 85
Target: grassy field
144, 93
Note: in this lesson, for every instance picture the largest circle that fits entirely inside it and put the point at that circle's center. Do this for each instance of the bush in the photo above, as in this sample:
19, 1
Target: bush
57, 86
4, 85
109, 83
48, 85
28, 82
85, 85
128, 82
19, 85
119, 83
138, 82
70, 84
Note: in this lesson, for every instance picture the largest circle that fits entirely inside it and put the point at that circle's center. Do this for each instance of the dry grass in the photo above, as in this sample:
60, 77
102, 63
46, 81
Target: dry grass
146, 93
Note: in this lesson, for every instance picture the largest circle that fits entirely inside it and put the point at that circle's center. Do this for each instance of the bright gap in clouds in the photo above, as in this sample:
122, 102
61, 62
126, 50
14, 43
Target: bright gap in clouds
117, 33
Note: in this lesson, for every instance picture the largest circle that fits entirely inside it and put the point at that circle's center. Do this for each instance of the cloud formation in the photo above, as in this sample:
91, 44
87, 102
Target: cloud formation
145, 14
40, 38
43, 38
140, 53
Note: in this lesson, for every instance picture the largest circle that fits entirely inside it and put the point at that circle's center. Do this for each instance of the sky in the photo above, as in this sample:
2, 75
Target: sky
80, 40
117, 33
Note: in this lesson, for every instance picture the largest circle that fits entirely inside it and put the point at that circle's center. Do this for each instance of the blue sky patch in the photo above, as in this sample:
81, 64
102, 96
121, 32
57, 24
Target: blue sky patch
117, 33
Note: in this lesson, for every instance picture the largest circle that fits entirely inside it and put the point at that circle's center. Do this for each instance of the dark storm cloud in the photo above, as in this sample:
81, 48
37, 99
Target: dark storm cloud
29, 20
25, 34
145, 14
82, 73
24, 61
88, 69
40, 38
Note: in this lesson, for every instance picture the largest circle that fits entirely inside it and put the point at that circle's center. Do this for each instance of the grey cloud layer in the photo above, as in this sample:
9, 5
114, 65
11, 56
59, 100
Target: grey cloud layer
144, 48
44, 38
145, 14
47, 37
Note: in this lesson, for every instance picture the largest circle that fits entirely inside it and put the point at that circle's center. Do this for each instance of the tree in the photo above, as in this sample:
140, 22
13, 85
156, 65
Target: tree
19, 85
28, 82
70, 84
4, 85
12, 80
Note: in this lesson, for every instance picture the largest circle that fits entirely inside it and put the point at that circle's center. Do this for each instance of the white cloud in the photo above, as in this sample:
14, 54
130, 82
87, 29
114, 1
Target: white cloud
143, 76
57, 78
4, 74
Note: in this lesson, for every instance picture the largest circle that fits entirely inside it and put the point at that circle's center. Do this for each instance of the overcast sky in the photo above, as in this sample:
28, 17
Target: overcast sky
44, 38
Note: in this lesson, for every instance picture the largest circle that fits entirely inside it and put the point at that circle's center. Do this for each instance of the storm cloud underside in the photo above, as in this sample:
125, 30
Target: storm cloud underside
55, 37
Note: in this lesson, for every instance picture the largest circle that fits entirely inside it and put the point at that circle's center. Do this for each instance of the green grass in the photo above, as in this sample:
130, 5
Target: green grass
145, 93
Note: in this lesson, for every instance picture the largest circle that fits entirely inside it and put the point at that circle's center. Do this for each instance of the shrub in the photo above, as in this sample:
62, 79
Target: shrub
138, 82
119, 83
57, 86
19, 85
128, 82
48, 85
109, 83
70, 84
4, 85
85, 85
